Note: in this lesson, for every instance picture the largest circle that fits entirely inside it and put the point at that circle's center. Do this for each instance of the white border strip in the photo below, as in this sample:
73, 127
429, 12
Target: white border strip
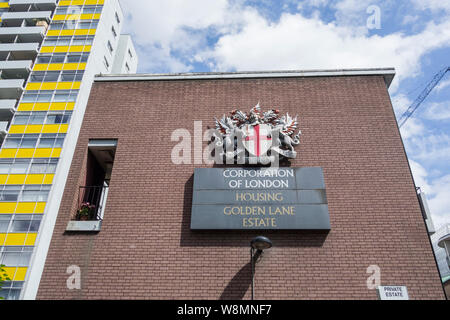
387, 73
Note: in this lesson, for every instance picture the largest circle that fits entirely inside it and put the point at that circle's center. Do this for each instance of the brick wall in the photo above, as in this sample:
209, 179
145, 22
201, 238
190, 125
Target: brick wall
146, 249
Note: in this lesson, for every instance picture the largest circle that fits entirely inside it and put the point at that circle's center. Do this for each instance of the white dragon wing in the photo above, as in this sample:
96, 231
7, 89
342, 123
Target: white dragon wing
289, 125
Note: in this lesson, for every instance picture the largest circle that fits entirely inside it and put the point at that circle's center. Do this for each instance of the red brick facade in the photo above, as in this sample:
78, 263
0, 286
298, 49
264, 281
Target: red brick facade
146, 250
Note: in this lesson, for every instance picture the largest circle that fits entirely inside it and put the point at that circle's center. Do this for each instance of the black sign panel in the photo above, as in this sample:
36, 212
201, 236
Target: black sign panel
259, 198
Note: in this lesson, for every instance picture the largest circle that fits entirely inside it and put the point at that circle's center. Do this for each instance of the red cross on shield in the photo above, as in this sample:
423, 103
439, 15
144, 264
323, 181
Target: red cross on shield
257, 139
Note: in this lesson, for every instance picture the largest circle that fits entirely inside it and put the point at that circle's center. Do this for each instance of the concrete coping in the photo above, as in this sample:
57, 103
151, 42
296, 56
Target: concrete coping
387, 73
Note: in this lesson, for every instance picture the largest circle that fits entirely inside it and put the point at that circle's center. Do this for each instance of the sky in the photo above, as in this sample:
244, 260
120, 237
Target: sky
250, 35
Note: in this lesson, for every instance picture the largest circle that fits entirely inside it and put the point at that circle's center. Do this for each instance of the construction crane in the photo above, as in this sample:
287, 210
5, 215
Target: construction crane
408, 113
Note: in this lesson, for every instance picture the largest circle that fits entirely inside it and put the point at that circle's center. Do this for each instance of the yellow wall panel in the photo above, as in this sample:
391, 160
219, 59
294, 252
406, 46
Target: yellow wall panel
33, 86
20, 274
76, 85
80, 48
58, 17
51, 128
40, 207
63, 128
55, 66
7, 207
25, 153
81, 32
49, 85
61, 49
31, 239
3, 178
43, 153
67, 32
48, 49
25, 107
51, 33
34, 179
40, 66
56, 153
68, 85
34, 128
74, 66
15, 239
4, 5
8, 153
25, 207
16, 178
58, 105
70, 106
20, 128
10, 271
41, 106
87, 16
2, 238
48, 179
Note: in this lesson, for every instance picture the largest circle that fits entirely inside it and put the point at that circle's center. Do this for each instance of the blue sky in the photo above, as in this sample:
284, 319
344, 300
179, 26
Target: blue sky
240, 35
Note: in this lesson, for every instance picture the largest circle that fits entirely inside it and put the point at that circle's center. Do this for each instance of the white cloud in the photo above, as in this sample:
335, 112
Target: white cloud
401, 103
296, 42
439, 203
160, 28
173, 34
442, 85
413, 127
437, 111
409, 19
434, 5
420, 176
437, 192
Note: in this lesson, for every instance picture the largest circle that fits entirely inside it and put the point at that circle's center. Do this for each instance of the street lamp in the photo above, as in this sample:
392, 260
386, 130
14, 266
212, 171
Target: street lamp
259, 244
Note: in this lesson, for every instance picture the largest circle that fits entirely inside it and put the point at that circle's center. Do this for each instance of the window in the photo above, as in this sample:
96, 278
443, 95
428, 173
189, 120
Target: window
43, 166
54, 76
44, 76
130, 54
20, 166
114, 32
127, 67
66, 41
25, 223
21, 141
100, 162
110, 48
78, 57
9, 193
59, 118
34, 193
70, 76
51, 140
4, 222
65, 96
30, 118
16, 256
48, 96
11, 290
117, 18
105, 61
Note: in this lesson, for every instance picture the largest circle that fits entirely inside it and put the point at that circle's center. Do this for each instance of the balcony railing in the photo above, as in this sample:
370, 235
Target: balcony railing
91, 203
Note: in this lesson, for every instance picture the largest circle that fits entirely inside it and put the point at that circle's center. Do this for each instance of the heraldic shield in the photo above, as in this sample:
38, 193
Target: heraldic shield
257, 139
250, 136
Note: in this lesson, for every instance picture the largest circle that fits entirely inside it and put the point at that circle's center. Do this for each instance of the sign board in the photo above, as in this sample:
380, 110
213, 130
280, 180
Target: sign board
393, 293
259, 198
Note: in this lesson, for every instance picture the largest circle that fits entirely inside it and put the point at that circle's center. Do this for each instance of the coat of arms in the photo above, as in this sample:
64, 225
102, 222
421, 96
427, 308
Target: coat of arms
256, 137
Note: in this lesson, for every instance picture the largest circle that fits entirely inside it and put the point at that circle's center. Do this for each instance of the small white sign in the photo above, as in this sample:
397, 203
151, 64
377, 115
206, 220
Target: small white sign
393, 293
